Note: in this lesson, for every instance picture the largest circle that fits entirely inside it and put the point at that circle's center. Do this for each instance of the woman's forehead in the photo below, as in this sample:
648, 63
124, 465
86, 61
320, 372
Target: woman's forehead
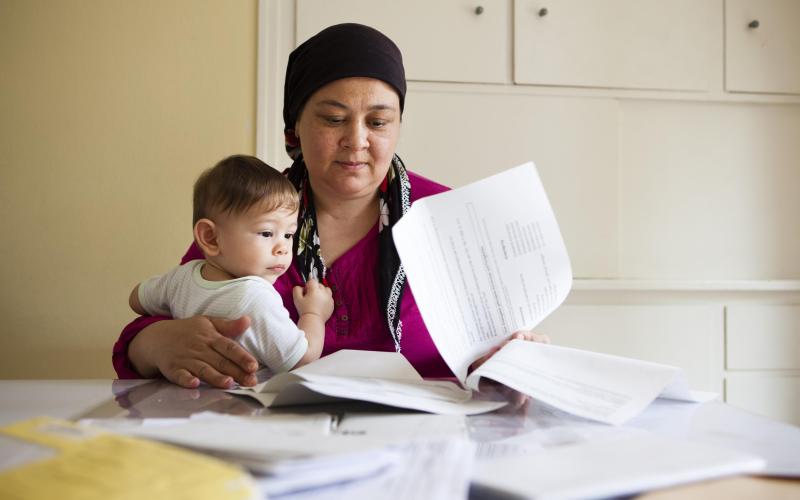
361, 92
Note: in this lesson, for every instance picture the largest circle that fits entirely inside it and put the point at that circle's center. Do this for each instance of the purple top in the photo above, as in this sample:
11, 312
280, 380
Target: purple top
357, 320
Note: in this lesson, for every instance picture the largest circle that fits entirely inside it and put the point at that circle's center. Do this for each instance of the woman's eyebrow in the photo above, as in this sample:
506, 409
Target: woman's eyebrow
340, 105
331, 102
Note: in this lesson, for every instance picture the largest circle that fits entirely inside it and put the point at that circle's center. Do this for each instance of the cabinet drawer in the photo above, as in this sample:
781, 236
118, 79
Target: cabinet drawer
774, 396
636, 44
687, 336
446, 40
763, 337
762, 39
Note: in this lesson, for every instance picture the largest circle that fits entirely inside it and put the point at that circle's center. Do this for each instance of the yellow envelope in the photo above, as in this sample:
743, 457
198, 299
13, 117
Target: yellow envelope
94, 464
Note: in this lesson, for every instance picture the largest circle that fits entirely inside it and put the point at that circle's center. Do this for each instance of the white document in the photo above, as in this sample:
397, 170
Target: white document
610, 389
285, 445
378, 377
588, 471
484, 261
430, 469
487, 260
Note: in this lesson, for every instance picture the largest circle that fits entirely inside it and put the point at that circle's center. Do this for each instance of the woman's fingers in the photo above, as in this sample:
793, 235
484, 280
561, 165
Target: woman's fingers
183, 378
232, 359
212, 376
198, 349
531, 336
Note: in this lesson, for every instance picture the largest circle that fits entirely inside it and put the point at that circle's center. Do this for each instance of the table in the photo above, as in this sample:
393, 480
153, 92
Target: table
714, 423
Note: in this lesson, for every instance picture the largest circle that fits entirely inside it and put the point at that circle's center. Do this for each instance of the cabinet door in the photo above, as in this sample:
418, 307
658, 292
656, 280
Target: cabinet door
773, 395
763, 337
446, 40
688, 336
762, 46
632, 44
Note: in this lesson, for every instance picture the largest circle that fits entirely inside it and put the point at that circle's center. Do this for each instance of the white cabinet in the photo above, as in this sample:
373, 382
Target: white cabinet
631, 44
763, 337
762, 41
770, 394
763, 359
445, 40
688, 336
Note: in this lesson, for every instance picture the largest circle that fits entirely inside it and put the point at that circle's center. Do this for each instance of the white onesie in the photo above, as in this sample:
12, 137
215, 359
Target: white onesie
272, 338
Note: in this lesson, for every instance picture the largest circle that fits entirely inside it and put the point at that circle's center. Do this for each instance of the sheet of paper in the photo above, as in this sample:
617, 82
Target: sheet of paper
262, 441
726, 426
585, 470
484, 261
378, 377
430, 469
391, 434
592, 385
346, 363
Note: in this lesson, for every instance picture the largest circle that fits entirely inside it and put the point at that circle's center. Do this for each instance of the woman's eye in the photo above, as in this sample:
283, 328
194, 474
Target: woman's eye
334, 120
288, 236
379, 123
266, 234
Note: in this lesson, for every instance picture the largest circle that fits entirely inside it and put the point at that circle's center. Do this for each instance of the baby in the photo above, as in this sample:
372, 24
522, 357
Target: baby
245, 216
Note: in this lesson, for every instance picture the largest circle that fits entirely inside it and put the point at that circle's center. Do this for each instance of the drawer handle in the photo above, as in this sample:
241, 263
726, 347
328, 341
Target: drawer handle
542, 12
479, 10
754, 24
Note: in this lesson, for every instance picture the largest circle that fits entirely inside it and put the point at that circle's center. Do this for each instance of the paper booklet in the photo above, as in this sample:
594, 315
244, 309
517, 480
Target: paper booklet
484, 261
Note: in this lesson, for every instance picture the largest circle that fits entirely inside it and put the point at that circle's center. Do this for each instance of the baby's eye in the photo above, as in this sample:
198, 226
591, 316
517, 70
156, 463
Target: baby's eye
288, 236
266, 234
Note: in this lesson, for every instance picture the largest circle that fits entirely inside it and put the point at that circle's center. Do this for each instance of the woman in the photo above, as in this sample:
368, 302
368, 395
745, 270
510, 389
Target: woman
343, 101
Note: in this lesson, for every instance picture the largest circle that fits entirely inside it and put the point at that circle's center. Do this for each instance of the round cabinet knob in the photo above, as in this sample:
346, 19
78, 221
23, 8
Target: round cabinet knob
754, 24
542, 12
479, 10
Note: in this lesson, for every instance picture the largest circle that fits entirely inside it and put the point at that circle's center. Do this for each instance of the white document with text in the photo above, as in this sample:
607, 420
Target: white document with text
487, 260
484, 261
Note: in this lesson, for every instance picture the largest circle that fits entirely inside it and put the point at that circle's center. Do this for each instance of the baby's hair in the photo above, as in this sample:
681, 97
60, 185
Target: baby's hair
239, 182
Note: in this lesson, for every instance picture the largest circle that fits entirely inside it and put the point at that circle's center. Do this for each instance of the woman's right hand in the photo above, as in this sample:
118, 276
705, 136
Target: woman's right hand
187, 351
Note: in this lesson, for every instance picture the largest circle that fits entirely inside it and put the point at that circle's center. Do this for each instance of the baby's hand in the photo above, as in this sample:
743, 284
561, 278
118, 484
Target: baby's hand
314, 299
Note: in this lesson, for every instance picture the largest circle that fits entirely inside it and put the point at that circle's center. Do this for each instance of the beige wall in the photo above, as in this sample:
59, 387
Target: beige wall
108, 111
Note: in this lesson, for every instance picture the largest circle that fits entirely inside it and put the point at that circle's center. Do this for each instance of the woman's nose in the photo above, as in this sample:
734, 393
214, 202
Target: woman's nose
356, 136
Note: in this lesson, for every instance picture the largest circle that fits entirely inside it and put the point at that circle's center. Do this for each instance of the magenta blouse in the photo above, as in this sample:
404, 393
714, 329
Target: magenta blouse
357, 320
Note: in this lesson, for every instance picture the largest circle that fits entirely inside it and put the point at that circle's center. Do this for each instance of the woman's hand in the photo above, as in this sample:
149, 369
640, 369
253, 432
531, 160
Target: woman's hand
519, 335
516, 399
187, 351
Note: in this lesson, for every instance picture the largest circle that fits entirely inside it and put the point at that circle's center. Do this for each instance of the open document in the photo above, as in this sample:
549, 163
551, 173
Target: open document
484, 261
487, 260
378, 377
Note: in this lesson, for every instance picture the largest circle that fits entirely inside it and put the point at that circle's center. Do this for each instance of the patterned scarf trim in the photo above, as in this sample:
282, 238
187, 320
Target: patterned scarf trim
394, 201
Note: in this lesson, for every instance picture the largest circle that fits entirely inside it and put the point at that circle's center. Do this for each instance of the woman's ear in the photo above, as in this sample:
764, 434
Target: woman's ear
205, 234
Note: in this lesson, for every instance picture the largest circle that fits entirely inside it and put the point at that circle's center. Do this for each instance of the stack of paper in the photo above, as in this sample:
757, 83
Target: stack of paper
611, 467
310, 453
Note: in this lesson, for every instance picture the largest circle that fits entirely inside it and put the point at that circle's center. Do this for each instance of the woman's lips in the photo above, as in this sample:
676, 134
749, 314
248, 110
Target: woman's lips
352, 165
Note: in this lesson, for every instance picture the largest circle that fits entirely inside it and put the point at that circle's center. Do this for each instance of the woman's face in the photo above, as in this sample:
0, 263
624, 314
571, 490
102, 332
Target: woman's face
348, 131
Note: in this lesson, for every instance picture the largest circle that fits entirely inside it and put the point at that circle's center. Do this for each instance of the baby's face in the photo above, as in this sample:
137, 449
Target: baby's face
257, 242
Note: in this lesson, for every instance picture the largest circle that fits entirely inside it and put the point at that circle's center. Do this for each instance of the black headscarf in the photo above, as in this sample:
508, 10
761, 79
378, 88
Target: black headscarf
344, 51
